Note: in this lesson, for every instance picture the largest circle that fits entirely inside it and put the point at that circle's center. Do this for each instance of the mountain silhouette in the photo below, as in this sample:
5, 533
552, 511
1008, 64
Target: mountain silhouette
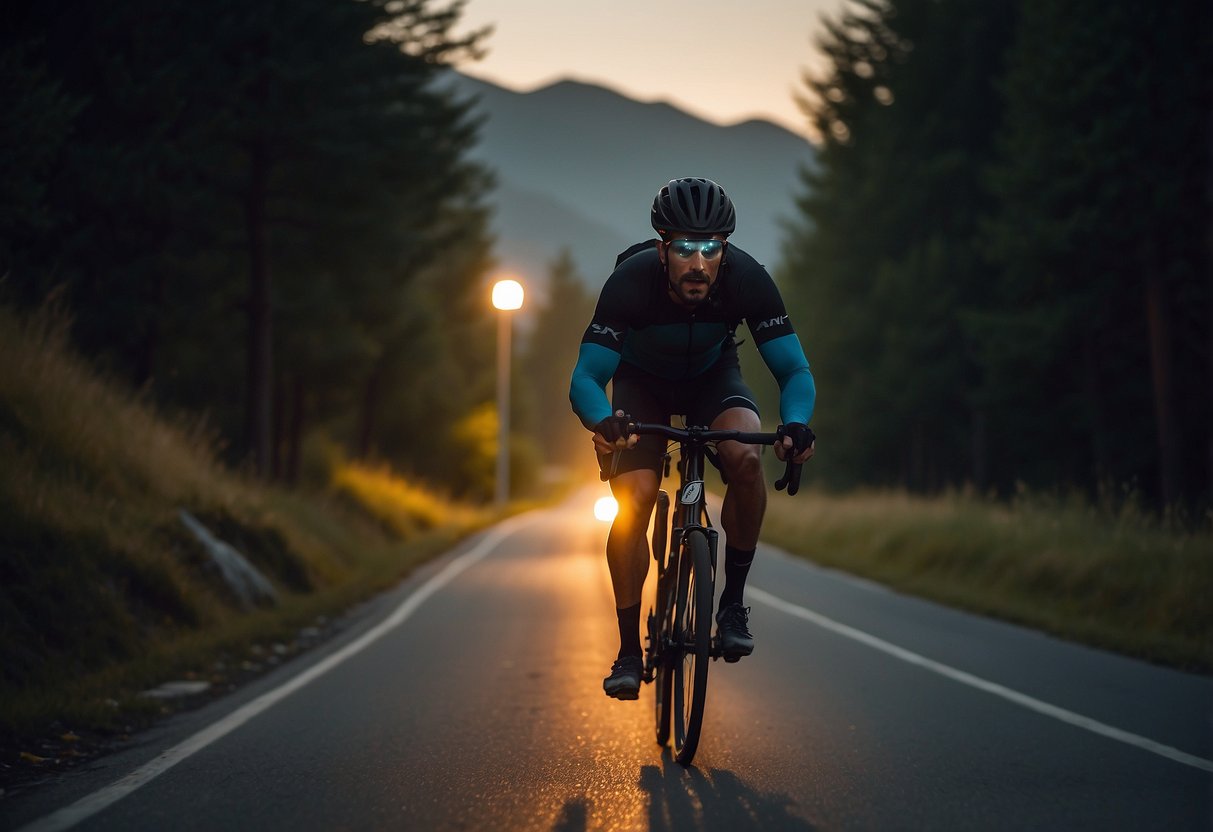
578, 165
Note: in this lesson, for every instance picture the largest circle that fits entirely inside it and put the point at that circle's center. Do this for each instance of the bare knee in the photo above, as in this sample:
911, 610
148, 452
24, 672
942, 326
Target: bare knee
742, 463
635, 491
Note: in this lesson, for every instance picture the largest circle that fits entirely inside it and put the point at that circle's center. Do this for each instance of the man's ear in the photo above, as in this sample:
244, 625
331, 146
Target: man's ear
661, 251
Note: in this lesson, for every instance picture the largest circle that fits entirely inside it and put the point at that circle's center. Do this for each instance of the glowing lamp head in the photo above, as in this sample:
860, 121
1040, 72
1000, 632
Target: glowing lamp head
605, 509
507, 295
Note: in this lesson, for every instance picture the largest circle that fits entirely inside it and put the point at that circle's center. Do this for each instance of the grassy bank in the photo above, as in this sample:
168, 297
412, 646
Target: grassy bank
1122, 580
104, 592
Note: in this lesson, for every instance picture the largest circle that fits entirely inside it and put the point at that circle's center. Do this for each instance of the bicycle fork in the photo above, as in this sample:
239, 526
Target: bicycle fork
715, 651
673, 540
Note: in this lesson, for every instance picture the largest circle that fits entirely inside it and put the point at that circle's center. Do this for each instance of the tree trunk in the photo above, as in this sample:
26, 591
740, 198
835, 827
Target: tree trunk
1158, 319
1100, 462
370, 401
260, 355
295, 431
278, 434
918, 456
980, 450
149, 343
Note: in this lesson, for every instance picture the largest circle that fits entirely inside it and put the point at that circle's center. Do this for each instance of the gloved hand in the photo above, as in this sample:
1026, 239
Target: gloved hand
802, 435
797, 442
614, 428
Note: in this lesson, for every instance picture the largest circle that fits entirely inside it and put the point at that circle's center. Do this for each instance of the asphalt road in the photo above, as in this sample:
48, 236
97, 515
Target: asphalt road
470, 698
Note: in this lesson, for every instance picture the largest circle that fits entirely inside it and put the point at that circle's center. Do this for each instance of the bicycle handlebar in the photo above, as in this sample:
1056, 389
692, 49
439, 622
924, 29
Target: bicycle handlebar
703, 434
791, 475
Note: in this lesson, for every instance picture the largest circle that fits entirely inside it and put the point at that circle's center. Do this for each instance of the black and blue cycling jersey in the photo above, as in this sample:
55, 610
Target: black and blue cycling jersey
637, 322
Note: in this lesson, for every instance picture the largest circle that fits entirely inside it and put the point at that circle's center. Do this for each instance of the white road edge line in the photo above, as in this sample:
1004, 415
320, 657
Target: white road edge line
1069, 717
90, 805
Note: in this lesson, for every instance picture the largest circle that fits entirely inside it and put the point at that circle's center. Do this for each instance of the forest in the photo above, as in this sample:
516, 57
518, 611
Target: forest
1001, 267
261, 212
264, 215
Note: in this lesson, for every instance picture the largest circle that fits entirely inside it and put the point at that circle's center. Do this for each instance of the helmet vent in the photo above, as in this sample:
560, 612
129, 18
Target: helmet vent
693, 205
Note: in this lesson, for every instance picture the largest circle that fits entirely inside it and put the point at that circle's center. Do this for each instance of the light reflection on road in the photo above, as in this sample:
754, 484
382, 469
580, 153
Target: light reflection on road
605, 770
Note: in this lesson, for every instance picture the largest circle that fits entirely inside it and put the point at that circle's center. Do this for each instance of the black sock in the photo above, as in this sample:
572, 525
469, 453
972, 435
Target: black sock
736, 567
629, 631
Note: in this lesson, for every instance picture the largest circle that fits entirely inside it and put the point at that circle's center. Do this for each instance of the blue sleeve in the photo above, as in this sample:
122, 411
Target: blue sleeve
596, 365
797, 392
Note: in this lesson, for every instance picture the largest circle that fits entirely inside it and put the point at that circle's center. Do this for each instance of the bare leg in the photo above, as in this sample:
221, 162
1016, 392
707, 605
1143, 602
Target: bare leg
627, 545
628, 559
745, 499
745, 502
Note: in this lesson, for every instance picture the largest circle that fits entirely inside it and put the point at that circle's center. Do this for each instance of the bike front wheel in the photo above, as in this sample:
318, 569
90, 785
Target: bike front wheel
693, 643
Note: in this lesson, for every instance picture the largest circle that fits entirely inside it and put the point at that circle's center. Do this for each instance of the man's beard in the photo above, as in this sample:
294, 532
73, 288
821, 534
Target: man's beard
688, 282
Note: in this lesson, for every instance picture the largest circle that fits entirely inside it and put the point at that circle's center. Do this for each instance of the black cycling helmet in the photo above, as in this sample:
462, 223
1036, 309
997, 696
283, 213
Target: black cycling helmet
693, 206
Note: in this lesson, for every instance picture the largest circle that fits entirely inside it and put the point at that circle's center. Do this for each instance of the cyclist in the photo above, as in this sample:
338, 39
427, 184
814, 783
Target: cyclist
663, 333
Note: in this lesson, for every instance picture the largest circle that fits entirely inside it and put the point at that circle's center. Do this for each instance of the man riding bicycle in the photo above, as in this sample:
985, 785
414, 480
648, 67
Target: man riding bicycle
663, 333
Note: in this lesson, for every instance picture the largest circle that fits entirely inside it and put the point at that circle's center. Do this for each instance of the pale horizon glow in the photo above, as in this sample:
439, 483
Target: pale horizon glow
720, 61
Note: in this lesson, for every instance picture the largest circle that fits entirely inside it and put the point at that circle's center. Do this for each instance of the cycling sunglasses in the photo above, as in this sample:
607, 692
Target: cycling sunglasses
685, 249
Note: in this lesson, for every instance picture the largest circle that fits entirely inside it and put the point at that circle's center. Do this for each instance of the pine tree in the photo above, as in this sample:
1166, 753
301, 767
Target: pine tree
1101, 243
250, 193
884, 259
36, 126
550, 355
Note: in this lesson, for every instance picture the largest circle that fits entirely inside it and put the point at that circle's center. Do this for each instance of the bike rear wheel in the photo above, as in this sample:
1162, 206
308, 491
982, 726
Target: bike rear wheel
663, 677
661, 618
692, 644
661, 529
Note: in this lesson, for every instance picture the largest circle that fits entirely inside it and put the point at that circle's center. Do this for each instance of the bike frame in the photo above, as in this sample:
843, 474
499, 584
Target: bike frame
692, 492
677, 622
692, 500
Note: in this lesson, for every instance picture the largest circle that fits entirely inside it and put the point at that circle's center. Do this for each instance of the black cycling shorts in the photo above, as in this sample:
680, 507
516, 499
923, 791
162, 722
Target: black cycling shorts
649, 398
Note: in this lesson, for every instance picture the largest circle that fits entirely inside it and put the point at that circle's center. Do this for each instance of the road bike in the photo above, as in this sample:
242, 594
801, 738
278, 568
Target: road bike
680, 643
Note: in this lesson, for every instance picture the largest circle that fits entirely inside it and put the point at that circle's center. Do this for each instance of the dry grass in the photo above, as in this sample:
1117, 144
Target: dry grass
92, 433
1122, 579
404, 508
103, 593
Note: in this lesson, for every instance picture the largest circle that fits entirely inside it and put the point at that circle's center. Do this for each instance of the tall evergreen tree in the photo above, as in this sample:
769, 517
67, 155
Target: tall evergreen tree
343, 153
120, 192
884, 258
548, 363
252, 177
1002, 272
437, 364
1101, 243
37, 124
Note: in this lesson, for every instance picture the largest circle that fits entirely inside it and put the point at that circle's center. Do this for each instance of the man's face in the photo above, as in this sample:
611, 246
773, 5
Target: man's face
692, 263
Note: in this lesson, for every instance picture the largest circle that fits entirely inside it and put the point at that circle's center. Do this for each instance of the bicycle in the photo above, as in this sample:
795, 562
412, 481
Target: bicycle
680, 642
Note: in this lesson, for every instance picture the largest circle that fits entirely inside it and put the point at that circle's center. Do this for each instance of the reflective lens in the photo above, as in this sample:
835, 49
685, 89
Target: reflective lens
710, 249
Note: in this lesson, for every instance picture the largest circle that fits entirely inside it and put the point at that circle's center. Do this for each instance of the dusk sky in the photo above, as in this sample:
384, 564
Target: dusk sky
722, 61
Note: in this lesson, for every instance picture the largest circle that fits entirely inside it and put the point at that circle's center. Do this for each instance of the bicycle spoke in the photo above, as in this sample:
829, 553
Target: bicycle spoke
692, 629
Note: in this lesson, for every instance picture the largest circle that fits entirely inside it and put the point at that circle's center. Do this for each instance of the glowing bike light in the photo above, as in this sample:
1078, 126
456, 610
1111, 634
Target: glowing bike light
605, 509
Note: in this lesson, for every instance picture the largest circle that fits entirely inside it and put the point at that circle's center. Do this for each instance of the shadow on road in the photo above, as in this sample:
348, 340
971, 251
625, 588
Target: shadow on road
682, 799
573, 816
689, 799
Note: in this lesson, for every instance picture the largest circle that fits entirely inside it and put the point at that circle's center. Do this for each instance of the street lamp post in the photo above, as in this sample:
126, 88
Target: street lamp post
507, 297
